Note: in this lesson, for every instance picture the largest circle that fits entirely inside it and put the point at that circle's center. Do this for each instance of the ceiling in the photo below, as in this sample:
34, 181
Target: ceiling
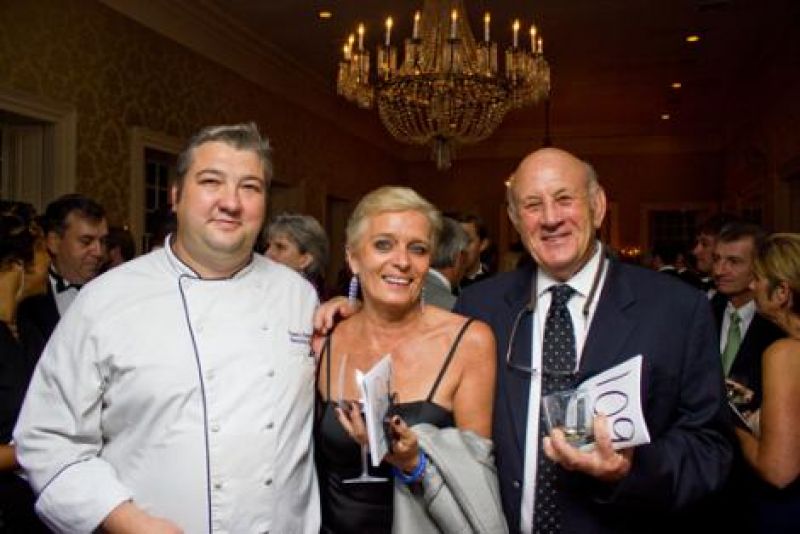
612, 61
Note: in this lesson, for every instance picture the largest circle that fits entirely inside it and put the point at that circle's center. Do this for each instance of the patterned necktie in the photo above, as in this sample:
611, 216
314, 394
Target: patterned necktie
558, 356
733, 343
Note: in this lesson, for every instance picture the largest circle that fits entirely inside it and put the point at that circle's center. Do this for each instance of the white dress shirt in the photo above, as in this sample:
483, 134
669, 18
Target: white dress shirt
63, 298
581, 282
191, 397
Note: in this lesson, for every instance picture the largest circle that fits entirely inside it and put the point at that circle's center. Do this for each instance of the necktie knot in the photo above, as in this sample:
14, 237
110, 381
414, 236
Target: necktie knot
735, 318
561, 294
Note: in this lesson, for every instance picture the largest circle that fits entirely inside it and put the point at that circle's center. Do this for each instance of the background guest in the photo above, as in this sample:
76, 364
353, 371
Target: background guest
774, 449
23, 273
703, 250
75, 232
299, 242
474, 269
447, 265
743, 333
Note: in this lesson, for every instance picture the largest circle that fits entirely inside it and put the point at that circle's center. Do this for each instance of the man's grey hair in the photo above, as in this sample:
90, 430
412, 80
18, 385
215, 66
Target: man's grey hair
592, 188
452, 241
244, 136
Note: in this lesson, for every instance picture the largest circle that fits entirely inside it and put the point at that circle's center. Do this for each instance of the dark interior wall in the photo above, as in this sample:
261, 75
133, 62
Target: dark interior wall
632, 181
763, 134
118, 74
638, 181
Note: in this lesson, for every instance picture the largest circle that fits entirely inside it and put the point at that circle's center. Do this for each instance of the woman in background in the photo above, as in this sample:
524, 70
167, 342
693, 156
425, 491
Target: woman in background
773, 448
443, 369
23, 273
299, 242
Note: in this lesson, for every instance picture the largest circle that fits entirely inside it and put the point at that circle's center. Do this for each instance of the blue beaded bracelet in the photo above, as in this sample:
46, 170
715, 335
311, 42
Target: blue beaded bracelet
416, 475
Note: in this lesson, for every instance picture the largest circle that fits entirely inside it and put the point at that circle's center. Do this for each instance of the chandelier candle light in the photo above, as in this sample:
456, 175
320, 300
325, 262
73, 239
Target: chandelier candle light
448, 90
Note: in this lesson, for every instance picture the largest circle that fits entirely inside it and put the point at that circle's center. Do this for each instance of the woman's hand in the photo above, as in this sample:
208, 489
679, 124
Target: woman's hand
738, 393
349, 415
327, 313
405, 448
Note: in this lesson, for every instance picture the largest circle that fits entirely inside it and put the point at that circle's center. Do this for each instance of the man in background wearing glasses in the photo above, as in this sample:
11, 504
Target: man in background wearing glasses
571, 318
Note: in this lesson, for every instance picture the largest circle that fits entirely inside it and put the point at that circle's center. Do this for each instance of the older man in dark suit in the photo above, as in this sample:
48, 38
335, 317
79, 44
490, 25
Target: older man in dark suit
576, 315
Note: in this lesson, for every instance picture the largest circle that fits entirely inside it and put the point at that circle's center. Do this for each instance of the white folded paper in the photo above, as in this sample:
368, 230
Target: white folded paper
375, 385
616, 393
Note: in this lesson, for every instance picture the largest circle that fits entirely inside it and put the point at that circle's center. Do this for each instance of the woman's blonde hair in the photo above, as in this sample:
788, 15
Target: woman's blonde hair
778, 260
389, 199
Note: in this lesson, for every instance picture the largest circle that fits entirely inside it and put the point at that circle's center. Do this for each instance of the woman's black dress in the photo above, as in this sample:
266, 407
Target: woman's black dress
367, 507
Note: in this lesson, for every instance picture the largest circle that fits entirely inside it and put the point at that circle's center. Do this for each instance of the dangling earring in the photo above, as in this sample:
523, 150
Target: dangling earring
352, 291
422, 299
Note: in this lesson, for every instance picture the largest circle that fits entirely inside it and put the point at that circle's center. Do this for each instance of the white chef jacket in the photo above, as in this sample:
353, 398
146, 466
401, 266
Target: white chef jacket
192, 397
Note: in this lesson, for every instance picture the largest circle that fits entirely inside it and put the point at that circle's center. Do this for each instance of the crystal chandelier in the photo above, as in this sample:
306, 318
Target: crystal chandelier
447, 91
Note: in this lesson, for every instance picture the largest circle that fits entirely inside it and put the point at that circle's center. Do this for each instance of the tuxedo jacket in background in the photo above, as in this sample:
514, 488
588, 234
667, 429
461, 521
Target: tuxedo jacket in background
761, 333
639, 312
37, 317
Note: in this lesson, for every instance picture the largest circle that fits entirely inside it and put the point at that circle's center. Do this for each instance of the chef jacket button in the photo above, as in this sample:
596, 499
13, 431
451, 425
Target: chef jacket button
268, 482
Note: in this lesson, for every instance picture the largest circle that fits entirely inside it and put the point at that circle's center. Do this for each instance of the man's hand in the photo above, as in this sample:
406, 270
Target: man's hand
603, 462
738, 393
325, 316
127, 518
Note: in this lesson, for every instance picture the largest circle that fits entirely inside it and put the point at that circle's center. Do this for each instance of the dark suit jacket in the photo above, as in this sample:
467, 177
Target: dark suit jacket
760, 334
639, 312
37, 317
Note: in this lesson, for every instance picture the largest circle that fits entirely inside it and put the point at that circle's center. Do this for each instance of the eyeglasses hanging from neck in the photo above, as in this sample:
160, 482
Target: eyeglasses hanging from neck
530, 308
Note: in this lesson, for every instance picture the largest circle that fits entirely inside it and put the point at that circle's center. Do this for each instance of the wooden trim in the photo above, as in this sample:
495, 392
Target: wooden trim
142, 139
64, 119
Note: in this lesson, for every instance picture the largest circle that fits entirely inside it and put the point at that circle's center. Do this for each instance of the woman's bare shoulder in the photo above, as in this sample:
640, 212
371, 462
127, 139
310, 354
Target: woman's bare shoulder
783, 353
784, 347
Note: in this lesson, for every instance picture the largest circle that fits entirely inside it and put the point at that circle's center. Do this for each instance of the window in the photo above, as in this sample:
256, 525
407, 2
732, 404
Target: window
159, 171
153, 166
673, 228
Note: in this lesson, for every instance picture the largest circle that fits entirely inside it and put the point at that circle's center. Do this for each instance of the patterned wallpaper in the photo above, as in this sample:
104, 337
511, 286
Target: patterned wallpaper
118, 74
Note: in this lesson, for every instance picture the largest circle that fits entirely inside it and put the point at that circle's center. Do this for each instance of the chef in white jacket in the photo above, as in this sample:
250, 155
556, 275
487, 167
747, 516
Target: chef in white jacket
176, 394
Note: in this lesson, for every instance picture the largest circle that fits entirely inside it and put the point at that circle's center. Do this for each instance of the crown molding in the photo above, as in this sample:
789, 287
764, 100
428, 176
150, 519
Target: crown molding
198, 25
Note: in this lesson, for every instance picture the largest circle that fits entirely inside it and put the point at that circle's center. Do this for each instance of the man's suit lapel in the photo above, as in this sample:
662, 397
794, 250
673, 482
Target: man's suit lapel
610, 326
518, 383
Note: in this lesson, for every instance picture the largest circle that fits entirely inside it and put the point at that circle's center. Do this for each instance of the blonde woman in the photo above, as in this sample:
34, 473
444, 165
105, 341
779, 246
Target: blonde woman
443, 372
773, 449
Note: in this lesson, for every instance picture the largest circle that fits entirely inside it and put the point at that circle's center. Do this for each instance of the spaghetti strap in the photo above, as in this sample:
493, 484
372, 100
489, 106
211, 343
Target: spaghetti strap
449, 357
326, 349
